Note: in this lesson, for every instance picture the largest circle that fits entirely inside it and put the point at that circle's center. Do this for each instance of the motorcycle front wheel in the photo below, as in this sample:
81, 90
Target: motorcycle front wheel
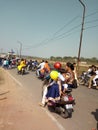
81, 81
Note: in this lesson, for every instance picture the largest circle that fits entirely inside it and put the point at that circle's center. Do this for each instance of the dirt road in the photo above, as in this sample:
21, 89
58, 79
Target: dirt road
17, 111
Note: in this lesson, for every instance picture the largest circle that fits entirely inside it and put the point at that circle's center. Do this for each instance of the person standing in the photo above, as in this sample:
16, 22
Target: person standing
75, 73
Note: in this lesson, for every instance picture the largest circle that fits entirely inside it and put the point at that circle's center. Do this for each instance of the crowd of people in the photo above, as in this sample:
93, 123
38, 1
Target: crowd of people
7, 63
58, 78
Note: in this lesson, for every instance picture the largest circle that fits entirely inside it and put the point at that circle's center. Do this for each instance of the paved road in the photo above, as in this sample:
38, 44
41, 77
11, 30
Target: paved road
85, 115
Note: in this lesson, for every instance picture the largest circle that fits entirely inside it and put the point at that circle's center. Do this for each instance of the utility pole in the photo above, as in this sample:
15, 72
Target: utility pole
20, 50
81, 35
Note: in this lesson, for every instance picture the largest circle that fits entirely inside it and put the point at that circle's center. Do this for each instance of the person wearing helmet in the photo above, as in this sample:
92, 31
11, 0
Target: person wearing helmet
58, 68
52, 89
57, 65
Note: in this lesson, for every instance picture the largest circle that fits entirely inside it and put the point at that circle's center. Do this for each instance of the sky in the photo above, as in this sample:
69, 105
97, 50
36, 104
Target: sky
46, 28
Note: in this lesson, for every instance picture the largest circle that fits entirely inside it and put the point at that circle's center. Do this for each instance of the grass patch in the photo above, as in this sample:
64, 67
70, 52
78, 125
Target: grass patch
82, 68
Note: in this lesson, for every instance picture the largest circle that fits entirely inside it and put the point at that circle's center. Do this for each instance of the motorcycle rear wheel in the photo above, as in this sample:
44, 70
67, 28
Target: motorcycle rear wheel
64, 114
67, 113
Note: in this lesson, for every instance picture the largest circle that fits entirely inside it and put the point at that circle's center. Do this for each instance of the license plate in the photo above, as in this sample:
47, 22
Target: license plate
69, 106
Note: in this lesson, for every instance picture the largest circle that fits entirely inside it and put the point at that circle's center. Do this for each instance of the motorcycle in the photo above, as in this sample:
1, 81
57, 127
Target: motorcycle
83, 79
65, 106
42, 75
29, 67
22, 71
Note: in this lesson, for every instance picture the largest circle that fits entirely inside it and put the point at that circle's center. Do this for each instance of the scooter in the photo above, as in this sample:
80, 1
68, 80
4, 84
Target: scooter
65, 106
22, 71
41, 75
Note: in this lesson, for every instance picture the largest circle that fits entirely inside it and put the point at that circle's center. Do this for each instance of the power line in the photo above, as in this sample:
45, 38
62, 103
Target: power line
65, 25
49, 39
63, 34
66, 34
34, 46
91, 27
75, 27
91, 21
60, 37
91, 14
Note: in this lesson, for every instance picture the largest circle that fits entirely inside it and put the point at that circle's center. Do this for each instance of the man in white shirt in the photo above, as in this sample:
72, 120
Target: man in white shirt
40, 66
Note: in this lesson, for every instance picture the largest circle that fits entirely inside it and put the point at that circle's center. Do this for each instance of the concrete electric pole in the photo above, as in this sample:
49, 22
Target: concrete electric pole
81, 35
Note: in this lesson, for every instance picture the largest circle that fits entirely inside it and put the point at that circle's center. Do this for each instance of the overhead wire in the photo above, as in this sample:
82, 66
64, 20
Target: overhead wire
54, 34
91, 27
73, 28
91, 21
65, 25
67, 33
91, 14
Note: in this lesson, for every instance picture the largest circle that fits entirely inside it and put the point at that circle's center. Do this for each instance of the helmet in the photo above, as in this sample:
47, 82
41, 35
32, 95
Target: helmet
57, 65
54, 75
